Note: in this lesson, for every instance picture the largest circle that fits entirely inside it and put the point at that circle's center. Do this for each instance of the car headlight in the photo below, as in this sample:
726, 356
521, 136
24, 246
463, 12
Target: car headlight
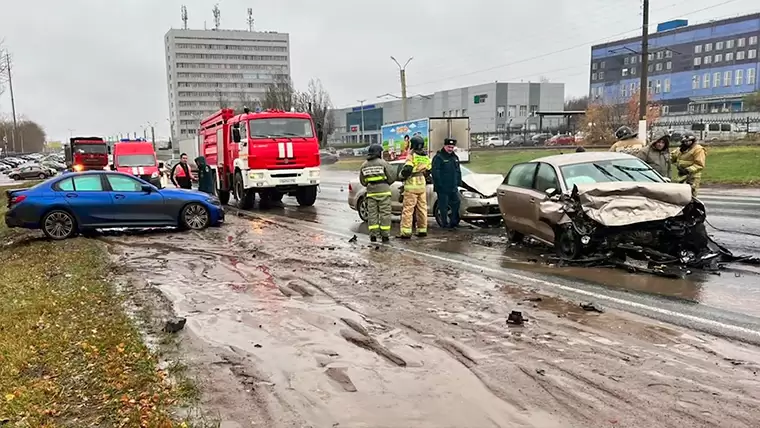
213, 200
79, 168
256, 175
314, 173
154, 175
470, 195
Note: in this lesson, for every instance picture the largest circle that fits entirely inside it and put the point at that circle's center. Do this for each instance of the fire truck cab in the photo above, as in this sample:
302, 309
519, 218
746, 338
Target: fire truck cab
86, 153
272, 153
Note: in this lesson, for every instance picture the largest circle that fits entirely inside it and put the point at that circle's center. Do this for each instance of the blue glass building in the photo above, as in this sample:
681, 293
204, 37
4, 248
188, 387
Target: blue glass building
704, 68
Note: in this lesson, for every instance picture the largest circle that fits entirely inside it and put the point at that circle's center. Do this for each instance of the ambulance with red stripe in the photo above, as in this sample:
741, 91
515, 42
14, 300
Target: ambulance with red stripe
271, 153
137, 157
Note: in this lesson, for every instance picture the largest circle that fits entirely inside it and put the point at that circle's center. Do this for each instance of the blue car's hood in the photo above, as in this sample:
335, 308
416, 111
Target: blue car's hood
181, 193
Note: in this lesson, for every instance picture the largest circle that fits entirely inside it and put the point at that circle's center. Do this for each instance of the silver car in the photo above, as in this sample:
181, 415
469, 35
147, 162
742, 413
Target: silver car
477, 196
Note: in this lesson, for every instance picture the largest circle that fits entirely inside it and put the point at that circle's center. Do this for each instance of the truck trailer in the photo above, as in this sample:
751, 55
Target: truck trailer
272, 153
433, 130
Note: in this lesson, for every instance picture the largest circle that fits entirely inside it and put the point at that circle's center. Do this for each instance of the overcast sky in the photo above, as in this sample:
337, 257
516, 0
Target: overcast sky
97, 67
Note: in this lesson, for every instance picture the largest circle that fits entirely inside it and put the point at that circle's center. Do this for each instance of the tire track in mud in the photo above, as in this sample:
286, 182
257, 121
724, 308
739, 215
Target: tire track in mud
446, 311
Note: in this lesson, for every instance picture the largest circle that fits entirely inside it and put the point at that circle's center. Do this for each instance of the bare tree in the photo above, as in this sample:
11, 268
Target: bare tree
576, 104
245, 99
316, 101
28, 133
280, 95
221, 96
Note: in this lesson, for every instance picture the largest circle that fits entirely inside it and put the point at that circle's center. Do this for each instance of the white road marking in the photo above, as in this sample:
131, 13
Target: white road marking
591, 294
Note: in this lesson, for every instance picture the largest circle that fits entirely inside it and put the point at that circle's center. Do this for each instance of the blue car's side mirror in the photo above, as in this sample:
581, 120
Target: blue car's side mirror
147, 188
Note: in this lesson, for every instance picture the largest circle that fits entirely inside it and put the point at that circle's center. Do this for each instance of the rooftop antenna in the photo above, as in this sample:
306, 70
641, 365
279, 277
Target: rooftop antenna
250, 19
184, 17
217, 15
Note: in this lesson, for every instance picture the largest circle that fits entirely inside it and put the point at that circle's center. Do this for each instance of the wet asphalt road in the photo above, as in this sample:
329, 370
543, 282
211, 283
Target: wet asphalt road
727, 304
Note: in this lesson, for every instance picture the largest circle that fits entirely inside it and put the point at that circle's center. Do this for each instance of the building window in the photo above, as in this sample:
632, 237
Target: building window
698, 49
716, 79
594, 65
632, 88
633, 60
533, 109
464, 112
708, 47
657, 87
626, 60
729, 56
750, 76
665, 110
740, 56
741, 42
624, 72
727, 78
523, 111
658, 66
601, 75
753, 40
752, 54
718, 57
660, 54
666, 86
603, 64
668, 53
511, 111
707, 60
695, 82
706, 81
633, 71
739, 78
594, 76
669, 65
697, 61
730, 44
650, 87
650, 57
650, 68
623, 91
718, 46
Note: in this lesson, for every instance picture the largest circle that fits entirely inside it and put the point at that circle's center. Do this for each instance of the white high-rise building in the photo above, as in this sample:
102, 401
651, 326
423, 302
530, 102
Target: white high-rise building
210, 69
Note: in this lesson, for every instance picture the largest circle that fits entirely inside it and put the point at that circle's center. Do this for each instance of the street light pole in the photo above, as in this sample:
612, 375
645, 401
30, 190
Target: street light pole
644, 85
361, 106
402, 73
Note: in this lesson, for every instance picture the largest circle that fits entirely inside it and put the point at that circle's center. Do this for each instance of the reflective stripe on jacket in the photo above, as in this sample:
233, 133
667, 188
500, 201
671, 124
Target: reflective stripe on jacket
419, 165
376, 175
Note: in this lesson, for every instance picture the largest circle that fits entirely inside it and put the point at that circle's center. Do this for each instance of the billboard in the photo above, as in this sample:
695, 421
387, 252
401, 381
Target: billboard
393, 134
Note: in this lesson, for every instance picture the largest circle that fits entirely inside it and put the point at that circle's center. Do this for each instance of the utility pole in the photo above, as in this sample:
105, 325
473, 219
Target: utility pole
13, 103
361, 104
644, 85
402, 72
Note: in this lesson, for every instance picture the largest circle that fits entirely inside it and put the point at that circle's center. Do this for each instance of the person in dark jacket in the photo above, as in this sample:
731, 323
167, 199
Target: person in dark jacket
447, 176
180, 174
205, 176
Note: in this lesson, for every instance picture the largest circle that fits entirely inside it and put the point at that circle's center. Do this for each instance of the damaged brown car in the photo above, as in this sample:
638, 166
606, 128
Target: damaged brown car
608, 209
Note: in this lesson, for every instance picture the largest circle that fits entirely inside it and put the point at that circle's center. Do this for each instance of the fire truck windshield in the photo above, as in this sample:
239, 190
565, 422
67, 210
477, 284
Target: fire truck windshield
280, 127
135, 160
91, 148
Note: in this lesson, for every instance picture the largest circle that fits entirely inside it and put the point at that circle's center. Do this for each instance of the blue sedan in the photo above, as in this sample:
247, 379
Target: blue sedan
66, 205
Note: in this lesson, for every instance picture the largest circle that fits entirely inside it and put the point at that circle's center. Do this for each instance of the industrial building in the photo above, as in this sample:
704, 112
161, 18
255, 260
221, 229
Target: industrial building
693, 69
492, 108
209, 69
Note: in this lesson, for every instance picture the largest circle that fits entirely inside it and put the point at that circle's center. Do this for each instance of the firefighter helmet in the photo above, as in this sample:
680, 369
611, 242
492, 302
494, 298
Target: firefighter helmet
417, 143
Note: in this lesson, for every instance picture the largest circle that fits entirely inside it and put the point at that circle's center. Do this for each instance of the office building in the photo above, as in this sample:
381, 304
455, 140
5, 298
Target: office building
492, 107
693, 69
208, 69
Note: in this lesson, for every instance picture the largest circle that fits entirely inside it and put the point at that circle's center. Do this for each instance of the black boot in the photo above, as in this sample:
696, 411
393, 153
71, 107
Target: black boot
386, 239
405, 237
421, 234
373, 239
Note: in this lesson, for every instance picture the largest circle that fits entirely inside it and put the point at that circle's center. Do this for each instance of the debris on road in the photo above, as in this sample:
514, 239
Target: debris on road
174, 325
515, 318
590, 307
353, 239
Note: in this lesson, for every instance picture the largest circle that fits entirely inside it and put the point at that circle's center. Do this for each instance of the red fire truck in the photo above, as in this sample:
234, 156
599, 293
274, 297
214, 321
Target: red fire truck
271, 152
86, 153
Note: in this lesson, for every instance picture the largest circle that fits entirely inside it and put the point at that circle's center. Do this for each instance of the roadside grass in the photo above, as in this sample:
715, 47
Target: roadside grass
737, 165
69, 354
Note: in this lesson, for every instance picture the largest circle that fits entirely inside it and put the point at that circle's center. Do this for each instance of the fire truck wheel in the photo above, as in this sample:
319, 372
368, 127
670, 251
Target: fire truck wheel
245, 197
306, 196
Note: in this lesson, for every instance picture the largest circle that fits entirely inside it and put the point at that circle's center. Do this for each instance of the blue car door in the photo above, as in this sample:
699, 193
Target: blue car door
131, 205
86, 196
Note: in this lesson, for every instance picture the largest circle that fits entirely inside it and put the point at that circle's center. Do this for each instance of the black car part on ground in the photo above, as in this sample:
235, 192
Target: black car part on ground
669, 247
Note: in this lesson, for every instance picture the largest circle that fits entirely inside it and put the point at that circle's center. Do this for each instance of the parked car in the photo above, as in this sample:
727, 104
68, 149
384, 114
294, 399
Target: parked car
561, 140
327, 158
496, 142
477, 196
26, 172
529, 184
76, 202
540, 139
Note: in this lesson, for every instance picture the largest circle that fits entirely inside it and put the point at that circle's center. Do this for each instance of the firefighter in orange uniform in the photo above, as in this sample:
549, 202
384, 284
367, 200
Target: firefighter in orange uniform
414, 174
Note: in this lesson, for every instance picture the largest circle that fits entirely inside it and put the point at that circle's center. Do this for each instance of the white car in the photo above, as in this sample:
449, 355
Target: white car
496, 142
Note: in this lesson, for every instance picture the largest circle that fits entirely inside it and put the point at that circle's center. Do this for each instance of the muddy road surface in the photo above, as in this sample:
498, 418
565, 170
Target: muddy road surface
731, 298
292, 326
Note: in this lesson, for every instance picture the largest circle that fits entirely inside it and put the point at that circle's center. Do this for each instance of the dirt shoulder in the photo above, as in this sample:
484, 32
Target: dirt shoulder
288, 327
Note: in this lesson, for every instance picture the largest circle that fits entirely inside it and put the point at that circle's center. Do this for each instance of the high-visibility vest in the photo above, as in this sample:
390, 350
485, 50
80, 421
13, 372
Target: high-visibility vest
420, 164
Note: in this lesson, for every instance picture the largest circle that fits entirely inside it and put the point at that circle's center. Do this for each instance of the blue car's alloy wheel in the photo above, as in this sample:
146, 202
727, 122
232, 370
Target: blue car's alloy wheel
58, 225
195, 217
